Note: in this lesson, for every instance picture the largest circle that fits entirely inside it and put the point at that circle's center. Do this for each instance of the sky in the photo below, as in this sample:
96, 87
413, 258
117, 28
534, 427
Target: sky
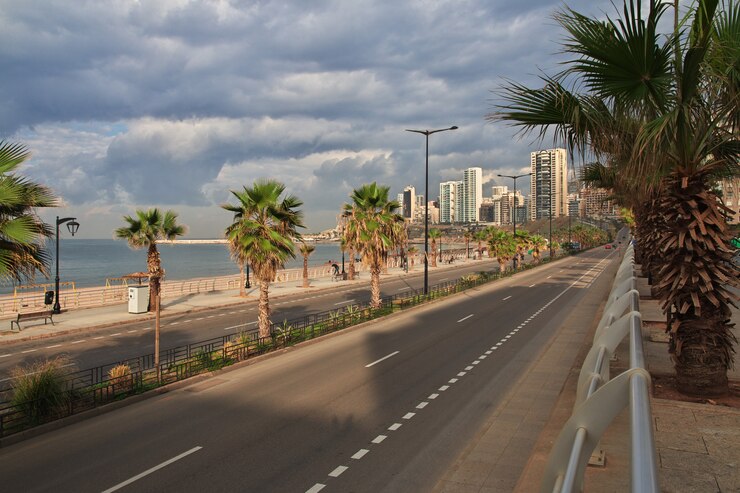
173, 103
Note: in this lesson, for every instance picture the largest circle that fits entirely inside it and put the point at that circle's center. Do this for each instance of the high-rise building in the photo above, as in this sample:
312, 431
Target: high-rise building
409, 202
448, 201
596, 203
472, 194
730, 188
498, 190
549, 185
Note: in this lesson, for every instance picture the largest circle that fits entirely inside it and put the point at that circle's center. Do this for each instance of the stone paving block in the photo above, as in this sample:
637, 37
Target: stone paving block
723, 444
681, 439
667, 423
452, 487
729, 482
689, 483
472, 473
682, 463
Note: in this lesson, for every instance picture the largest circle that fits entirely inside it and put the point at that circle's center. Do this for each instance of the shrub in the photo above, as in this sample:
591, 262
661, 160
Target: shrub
40, 391
120, 378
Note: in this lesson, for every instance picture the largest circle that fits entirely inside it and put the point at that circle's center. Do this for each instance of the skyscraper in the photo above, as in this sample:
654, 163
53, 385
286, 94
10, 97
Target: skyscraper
549, 185
448, 201
472, 194
409, 202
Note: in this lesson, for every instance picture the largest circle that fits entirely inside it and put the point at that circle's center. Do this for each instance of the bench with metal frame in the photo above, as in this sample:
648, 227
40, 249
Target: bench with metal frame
45, 314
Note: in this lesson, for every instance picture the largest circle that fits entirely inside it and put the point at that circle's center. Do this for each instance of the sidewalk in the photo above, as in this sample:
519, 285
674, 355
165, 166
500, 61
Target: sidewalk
86, 319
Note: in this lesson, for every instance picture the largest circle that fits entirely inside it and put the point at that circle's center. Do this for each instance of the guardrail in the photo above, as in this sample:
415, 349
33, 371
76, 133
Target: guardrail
600, 399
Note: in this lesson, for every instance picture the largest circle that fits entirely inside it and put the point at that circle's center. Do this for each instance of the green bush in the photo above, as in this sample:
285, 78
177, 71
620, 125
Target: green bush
40, 391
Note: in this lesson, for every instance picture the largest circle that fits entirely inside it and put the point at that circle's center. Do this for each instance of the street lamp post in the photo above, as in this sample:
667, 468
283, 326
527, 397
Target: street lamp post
513, 215
247, 284
72, 226
427, 133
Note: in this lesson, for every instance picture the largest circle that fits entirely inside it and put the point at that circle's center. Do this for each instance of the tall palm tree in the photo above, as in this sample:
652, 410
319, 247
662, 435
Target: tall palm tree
22, 233
434, 234
667, 117
143, 231
412, 251
467, 236
306, 251
501, 245
264, 228
480, 236
371, 229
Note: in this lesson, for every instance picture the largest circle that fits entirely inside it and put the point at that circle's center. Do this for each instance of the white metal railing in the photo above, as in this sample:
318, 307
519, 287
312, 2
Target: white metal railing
600, 399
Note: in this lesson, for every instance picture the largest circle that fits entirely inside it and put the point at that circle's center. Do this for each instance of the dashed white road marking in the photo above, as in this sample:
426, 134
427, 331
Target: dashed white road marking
132, 331
489, 351
153, 469
52, 347
344, 302
395, 426
116, 334
316, 488
29, 351
468, 368
476, 362
360, 454
548, 277
338, 471
379, 438
506, 298
443, 388
99, 337
532, 285
78, 342
199, 318
432, 396
462, 374
452, 380
444, 279
465, 318
422, 405
382, 359
5, 355
403, 289
409, 415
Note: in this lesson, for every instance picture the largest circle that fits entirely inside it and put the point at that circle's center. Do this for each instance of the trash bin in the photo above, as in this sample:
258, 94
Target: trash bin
138, 299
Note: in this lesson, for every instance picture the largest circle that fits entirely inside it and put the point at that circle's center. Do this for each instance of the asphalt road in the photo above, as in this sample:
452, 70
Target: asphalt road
134, 339
383, 407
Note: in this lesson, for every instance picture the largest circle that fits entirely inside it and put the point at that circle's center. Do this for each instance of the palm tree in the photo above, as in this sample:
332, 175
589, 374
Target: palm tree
501, 245
143, 231
371, 229
666, 117
538, 243
306, 251
468, 235
480, 236
22, 233
264, 228
434, 233
412, 251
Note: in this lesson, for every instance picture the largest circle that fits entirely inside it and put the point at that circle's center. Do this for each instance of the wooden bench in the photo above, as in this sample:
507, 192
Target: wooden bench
45, 314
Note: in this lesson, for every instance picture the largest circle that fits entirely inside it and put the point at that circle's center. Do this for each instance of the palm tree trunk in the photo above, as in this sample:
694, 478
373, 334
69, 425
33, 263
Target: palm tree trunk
305, 271
434, 253
351, 270
501, 265
263, 316
375, 286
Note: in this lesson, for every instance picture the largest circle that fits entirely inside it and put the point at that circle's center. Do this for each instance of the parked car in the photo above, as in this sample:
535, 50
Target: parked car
608, 247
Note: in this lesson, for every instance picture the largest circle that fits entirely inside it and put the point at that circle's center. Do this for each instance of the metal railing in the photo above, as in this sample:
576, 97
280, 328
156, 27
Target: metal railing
600, 399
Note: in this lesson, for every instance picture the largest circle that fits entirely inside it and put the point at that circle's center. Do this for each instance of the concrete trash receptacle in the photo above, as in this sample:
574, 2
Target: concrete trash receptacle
138, 299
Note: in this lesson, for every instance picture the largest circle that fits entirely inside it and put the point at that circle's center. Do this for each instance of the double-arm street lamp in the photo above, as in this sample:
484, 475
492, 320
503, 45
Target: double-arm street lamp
513, 215
427, 133
72, 226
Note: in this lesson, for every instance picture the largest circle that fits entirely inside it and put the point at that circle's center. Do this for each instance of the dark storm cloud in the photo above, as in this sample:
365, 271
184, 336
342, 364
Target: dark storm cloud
176, 95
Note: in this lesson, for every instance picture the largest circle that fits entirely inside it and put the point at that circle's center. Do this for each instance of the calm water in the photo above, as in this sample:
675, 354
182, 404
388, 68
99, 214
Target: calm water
90, 262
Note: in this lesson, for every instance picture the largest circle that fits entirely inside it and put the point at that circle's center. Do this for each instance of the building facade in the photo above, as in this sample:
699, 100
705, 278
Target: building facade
549, 184
472, 194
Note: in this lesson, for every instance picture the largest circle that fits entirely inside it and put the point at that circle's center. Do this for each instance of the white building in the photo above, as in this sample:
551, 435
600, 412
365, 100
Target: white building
549, 185
448, 201
472, 194
409, 202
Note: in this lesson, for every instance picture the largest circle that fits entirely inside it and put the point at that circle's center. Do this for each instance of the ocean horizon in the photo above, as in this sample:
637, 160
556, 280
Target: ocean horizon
90, 263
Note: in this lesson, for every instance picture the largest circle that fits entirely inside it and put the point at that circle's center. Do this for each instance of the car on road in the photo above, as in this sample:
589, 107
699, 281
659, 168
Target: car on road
608, 247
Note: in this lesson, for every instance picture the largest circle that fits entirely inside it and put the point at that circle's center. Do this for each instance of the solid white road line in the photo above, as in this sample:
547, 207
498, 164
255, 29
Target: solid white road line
344, 302
506, 298
360, 454
153, 469
465, 318
382, 359
338, 471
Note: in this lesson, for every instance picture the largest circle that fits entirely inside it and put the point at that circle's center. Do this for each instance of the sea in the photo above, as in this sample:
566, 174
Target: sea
90, 263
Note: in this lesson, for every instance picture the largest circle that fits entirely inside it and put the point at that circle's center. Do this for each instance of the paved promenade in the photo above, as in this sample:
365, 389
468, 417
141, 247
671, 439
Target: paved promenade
698, 444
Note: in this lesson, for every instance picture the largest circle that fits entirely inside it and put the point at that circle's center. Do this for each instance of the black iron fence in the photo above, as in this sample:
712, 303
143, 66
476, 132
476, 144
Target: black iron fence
87, 389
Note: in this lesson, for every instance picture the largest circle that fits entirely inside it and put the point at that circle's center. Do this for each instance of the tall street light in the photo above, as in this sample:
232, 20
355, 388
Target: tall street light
514, 177
427, 133
72, 226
